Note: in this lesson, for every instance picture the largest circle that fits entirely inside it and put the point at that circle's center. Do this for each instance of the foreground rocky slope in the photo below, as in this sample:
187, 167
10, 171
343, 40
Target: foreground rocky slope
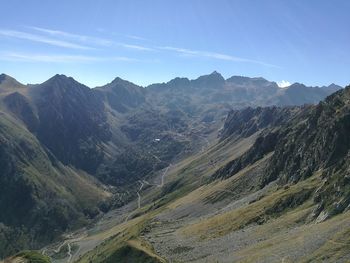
313, 140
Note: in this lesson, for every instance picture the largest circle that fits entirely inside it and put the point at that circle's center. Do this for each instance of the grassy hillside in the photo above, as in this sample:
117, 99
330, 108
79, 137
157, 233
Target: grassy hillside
28, 257
39, 197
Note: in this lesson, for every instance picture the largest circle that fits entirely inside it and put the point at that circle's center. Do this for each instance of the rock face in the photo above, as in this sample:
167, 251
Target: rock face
317, 140
247, 121
73, 122
305, 141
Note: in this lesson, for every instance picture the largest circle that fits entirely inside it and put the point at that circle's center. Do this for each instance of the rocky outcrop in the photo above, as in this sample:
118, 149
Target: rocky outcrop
317, 139
313, 139
247, 121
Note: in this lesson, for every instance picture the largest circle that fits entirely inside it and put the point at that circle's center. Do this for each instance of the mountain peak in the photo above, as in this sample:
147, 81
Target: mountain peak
61, 79
61, 83
120, 83
119, 80
334, 87
179, 81
296, 85
240, 80
212, 79
9, 82
3, 77
215, 73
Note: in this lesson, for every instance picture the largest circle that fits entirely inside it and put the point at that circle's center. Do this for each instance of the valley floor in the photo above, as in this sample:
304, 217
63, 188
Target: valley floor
193, 219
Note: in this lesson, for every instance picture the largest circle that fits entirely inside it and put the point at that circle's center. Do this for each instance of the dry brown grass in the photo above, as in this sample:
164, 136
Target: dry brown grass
142, 245
298, 245
222, 224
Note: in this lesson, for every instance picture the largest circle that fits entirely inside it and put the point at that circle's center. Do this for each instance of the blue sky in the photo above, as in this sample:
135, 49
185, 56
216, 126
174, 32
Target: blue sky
157, 40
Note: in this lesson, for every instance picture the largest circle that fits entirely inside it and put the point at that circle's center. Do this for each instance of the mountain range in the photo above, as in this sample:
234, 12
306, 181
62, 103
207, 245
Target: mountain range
188, 163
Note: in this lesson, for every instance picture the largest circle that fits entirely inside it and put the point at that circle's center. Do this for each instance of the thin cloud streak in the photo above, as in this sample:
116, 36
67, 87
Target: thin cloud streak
52, 58
213, 55
69, 40
137, 37
136, 47
41, 39
90, 40
76, 37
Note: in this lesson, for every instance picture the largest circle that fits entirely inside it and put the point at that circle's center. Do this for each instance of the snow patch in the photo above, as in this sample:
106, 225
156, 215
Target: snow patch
283, 84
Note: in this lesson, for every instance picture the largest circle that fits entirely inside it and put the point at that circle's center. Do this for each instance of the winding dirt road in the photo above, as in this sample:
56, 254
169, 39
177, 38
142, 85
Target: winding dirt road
142, 183
67, 242
138, 194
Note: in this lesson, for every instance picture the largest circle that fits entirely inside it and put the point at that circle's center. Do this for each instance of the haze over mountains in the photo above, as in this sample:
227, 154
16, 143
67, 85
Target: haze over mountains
69, 154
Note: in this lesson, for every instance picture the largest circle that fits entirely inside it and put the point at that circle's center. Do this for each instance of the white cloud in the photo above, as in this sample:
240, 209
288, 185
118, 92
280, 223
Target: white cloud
41, 39
283, 84
213, 55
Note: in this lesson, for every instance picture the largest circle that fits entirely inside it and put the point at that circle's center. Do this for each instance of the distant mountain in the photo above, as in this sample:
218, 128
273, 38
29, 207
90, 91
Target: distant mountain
211, 81
299, 94
248, 121
211, 90
246, 81
332, 87
122, 95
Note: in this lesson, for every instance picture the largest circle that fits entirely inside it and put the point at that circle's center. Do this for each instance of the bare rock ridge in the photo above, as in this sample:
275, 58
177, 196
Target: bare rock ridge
303, 141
